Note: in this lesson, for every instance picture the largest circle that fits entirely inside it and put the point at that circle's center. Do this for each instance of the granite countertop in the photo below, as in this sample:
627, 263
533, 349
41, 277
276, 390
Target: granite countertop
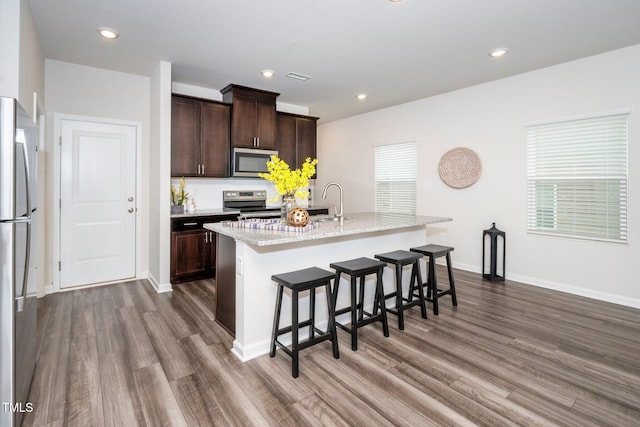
221, 211
356, 223
206, 212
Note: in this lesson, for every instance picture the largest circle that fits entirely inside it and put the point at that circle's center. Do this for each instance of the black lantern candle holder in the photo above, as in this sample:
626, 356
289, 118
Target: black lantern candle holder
494, 235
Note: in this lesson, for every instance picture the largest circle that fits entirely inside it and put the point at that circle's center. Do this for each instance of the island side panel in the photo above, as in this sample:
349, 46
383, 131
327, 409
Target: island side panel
255, 292
225, 282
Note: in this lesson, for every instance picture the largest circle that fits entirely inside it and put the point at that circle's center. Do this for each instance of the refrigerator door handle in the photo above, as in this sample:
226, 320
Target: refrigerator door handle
23, 145
19, 304
27, 265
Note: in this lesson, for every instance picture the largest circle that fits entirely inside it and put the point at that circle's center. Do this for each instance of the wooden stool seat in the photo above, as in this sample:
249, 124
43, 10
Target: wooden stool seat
399, 259
360, 268
434, 252
298, 281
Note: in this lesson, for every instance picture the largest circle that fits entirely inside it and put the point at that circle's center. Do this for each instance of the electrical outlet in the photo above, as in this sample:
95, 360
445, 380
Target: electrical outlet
239, 266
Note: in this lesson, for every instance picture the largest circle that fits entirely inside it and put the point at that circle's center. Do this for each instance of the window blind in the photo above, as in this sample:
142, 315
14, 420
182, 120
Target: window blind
577, 178
396, 168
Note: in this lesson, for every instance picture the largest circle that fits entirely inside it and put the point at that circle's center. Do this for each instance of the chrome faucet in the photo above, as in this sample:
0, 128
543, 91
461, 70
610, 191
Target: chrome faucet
324, 196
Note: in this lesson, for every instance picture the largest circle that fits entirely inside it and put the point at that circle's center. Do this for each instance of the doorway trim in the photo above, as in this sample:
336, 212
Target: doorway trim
56, 192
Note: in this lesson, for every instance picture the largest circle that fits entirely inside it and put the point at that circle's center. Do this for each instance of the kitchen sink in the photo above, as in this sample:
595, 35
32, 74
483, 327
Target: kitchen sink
329, 219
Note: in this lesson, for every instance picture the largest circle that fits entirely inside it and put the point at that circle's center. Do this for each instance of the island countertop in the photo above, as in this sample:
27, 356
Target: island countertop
355, 223
248, 257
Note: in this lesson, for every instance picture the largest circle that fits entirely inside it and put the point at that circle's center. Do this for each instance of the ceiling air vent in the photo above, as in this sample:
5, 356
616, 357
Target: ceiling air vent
298, 76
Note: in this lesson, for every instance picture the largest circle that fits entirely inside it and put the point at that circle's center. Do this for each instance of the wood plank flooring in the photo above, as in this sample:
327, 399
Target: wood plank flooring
509, 354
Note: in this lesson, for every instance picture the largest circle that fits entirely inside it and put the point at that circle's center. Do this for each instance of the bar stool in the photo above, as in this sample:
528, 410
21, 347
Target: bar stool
433, 293
399, 259
360, 268
298, 281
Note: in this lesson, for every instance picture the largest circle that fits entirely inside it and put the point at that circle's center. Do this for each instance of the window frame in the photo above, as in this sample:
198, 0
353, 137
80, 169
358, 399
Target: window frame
397, 172
583, 163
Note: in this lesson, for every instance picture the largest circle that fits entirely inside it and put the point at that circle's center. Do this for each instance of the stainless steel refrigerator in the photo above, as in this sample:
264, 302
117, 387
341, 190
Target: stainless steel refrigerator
17, 260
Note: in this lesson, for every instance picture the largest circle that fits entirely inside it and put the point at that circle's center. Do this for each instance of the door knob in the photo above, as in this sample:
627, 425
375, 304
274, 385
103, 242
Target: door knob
130, 199
130, 210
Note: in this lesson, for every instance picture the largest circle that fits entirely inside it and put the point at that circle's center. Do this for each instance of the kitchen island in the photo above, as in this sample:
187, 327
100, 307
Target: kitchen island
247, 258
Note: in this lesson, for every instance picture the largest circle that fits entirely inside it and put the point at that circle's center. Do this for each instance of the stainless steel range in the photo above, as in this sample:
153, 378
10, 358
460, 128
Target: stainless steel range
250, 203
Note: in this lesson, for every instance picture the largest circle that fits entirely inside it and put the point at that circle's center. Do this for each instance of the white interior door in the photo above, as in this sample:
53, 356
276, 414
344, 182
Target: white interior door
97, 203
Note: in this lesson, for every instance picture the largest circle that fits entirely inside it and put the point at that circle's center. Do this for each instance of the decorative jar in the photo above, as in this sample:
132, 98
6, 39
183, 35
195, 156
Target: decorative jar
298, 217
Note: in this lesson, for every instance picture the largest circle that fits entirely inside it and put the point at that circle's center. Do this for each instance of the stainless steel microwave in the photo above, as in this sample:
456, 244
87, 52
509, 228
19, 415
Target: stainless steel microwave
249, 162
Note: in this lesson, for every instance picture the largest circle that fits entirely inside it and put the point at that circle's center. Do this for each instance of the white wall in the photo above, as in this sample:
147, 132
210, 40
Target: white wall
490, 120
31, 61
159, 158
9, 47
87, 91
21, 60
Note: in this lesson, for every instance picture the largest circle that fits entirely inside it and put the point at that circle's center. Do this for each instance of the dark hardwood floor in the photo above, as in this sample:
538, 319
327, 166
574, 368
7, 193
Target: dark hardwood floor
509, 354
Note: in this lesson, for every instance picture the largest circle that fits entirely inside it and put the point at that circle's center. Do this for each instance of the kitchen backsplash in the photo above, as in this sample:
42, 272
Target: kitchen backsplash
207, 193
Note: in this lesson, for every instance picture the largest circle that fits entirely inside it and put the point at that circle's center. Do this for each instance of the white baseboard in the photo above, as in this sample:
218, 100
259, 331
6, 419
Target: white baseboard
561, 287
159, 287
261, 348
250, 352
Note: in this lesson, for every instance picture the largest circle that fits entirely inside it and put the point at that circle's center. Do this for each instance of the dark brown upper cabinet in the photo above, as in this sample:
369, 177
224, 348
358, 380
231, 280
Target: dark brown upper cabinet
199, 137
296, 138
253, 116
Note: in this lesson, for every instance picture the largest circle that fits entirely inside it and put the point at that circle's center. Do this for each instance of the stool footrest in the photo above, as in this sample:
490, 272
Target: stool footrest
322, 336
348, 309
286, 329
361, 323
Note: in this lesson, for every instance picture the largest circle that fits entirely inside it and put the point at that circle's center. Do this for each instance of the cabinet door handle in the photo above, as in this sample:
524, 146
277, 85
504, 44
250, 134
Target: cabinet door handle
198, 173
202, 169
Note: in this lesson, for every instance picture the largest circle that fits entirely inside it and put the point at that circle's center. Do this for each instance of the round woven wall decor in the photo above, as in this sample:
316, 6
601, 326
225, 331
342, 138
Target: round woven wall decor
459, 167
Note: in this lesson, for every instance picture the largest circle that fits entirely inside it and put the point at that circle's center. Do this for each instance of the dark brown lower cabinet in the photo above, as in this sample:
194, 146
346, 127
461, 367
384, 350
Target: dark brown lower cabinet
193, 248
226, 283
191, 254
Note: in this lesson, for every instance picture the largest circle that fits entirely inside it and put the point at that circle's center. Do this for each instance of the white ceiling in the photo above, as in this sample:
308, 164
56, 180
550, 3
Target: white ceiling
394, 52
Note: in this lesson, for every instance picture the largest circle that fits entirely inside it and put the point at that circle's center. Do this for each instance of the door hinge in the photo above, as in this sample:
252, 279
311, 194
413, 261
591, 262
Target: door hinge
60, 203
60, 140
59, 265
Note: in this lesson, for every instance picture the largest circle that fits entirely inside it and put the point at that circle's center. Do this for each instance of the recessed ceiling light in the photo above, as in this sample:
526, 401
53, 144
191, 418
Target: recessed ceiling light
395, 1
497, 53
362, 96
108, 33
267, 73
